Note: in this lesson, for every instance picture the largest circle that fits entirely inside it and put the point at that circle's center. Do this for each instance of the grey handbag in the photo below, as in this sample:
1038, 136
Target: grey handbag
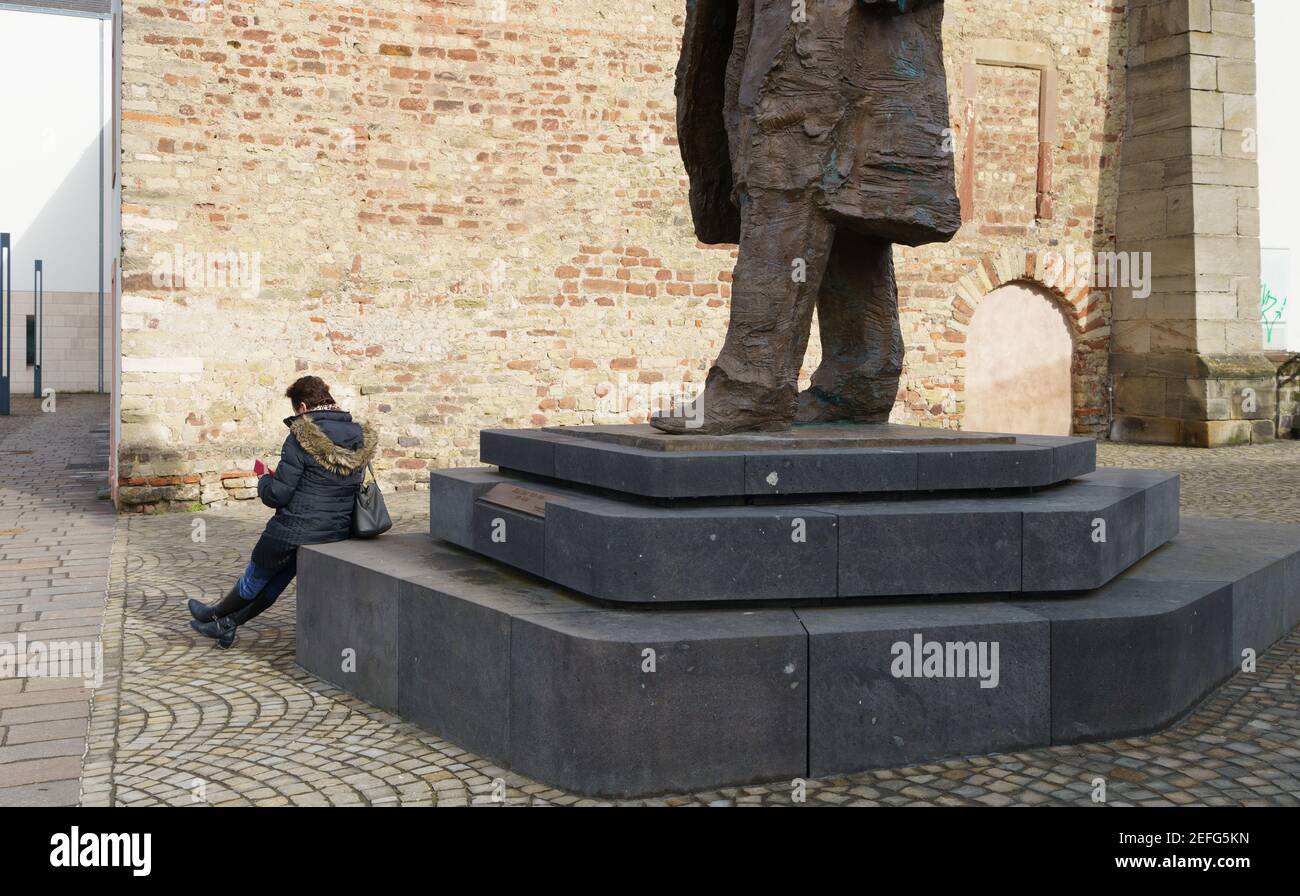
369, 515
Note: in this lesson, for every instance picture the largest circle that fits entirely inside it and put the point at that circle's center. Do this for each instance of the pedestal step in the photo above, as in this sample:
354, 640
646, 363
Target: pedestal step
625, 702
640, 461
1072, 537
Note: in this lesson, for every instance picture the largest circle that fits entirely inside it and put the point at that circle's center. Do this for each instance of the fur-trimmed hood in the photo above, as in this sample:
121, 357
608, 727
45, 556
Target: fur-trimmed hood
335, 458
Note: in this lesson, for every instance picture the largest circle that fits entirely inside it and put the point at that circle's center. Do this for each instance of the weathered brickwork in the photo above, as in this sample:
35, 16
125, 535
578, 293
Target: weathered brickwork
1006, 153
472, 213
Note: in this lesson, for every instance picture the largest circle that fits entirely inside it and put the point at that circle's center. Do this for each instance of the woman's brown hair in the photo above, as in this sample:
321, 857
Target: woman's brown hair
309, 390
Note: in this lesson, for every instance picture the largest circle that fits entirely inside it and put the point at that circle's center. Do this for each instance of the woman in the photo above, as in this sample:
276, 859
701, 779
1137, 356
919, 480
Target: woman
313, 490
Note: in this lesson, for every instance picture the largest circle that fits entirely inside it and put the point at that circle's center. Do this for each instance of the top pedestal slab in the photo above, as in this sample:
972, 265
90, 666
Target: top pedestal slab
821, 459
809, 437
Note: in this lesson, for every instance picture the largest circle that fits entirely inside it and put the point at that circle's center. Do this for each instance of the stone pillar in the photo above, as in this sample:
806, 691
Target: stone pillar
1187, 361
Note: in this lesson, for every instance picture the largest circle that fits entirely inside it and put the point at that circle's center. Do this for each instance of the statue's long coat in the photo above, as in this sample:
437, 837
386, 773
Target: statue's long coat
849, 108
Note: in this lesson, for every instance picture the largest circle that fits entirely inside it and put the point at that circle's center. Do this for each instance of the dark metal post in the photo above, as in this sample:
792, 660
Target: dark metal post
101, 129
6, 319
38, 300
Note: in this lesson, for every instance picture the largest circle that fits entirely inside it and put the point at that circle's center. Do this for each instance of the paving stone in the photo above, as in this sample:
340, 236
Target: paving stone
39, 770
47, 794
70, 746
54, 571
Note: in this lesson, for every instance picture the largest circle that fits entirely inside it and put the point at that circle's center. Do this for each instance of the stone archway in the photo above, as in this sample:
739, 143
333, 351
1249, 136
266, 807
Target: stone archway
1019, 360
1084, 309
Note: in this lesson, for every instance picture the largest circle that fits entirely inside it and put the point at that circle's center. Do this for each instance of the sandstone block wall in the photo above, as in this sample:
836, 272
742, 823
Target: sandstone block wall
1188, 361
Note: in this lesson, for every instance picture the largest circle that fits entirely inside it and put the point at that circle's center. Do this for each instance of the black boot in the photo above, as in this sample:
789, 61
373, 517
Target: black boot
222, 629
227, 605
252, 609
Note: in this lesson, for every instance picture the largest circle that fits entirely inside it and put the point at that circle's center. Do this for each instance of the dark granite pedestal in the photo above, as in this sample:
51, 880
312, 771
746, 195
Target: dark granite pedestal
613, 701
640, 461
633, 515
634, 613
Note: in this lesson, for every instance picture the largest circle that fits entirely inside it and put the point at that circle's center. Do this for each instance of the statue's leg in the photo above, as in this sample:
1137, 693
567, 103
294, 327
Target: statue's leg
862, 343
753, 385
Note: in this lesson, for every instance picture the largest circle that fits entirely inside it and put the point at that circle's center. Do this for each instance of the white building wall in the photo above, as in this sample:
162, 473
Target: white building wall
71, 325
54, 108
1277, 33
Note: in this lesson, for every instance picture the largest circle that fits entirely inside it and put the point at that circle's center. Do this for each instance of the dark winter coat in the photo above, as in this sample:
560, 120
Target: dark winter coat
849, 107
315, 485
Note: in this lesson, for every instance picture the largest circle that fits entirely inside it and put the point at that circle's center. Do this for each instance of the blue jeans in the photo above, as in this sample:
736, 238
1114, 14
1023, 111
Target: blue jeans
268, 583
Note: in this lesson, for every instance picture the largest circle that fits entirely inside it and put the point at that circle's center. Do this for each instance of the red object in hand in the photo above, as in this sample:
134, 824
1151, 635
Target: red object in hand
261, 469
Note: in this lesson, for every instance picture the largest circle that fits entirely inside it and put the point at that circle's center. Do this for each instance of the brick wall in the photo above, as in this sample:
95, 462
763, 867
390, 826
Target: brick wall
470, 214
1006, 153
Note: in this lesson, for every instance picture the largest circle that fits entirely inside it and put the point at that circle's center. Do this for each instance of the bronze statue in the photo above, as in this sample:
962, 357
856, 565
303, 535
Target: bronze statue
815, 135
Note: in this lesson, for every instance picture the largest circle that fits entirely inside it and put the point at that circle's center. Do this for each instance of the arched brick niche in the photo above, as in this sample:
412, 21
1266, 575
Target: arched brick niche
1019, 355
1083, 310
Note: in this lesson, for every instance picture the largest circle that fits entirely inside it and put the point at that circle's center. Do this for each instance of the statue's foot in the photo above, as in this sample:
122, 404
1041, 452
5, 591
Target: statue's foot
816, 406
729, 406
813, 408
685, 423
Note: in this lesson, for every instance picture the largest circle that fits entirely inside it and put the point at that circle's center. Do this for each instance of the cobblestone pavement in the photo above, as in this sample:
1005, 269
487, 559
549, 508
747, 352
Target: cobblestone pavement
185, 723
1255, 482
55, 537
